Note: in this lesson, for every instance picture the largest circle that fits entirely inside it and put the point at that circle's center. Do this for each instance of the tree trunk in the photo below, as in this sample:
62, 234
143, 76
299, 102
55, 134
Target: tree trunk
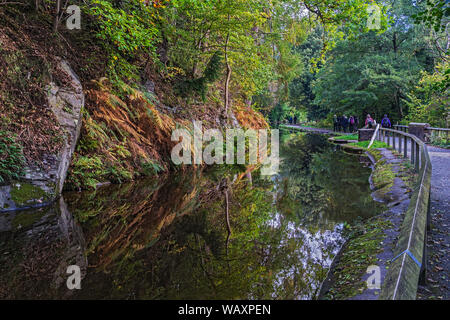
56, 17
227, 218
228, 78
227, 81
395, 44
399, 105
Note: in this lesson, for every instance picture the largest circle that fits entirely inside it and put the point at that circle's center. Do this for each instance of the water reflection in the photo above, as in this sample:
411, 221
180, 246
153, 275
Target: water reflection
167, 238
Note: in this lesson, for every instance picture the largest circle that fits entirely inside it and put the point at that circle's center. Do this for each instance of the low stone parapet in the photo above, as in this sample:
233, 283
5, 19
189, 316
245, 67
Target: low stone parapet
365, 134
420, 130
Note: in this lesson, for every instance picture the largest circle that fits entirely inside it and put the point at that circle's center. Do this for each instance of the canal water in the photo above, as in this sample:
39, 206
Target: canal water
171, 237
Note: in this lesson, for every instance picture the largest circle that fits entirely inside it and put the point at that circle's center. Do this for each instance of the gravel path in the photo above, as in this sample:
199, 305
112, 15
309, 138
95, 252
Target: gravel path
438, 242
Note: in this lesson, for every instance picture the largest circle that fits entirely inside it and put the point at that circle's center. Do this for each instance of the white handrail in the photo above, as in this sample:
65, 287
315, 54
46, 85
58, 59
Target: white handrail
374, 136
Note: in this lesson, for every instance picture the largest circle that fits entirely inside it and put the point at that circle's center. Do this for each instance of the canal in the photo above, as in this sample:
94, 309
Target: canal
171, 237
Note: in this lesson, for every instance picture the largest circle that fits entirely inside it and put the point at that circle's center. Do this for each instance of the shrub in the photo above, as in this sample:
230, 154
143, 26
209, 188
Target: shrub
150, 168
11, 157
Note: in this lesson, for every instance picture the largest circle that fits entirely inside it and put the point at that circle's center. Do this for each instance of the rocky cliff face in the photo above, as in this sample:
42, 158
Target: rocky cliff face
41, 184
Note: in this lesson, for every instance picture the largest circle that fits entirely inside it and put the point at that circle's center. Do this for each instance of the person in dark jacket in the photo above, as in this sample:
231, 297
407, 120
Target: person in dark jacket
335, 123
385, 122
351, 123
344, 123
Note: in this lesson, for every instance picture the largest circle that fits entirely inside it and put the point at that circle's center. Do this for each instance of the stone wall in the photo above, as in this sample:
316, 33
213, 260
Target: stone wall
420, 130
365, 134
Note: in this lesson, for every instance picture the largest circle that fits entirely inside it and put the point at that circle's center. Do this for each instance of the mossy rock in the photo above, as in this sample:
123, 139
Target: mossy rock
26, 194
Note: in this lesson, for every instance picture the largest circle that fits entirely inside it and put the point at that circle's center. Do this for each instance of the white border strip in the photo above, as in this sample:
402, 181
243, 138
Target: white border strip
374, 136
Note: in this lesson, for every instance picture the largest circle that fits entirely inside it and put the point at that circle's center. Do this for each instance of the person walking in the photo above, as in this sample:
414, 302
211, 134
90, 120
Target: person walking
335, 123
369, 122
295, 119
352, 123
344, 123
385, 122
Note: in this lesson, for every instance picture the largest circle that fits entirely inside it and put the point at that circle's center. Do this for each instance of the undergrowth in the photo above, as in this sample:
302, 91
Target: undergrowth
11, 157
122, 138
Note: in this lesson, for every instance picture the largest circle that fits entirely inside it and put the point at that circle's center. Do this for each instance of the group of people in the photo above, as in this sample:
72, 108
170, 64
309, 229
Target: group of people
345, 124
350, 124
292, 120
371, 123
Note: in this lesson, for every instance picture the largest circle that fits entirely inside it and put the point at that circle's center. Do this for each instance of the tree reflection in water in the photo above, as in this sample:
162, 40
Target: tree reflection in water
167, 238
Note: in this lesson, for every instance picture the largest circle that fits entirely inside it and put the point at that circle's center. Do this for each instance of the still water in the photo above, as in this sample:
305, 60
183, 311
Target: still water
171, 237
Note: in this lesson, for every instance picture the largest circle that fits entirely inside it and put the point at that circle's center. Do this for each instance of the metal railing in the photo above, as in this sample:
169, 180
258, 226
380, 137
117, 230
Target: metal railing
403, 275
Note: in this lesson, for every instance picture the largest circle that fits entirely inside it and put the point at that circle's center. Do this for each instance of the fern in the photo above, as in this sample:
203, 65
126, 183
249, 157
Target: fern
12, 159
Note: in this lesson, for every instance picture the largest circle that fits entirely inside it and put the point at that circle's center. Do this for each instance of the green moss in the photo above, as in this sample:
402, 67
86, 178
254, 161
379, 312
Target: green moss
383, 176
358, 254
376, 154
408, 174
25, 193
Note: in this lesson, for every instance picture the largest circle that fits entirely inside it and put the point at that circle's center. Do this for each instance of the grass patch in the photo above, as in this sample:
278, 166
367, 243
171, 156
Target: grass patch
364, 144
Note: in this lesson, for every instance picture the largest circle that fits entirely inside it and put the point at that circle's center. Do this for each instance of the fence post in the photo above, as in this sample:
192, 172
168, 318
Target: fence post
400, 144
417, 157
413, 154
393, 140
405, 146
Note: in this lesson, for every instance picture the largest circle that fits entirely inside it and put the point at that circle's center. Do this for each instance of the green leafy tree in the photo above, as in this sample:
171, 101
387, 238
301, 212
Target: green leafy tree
374, 73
